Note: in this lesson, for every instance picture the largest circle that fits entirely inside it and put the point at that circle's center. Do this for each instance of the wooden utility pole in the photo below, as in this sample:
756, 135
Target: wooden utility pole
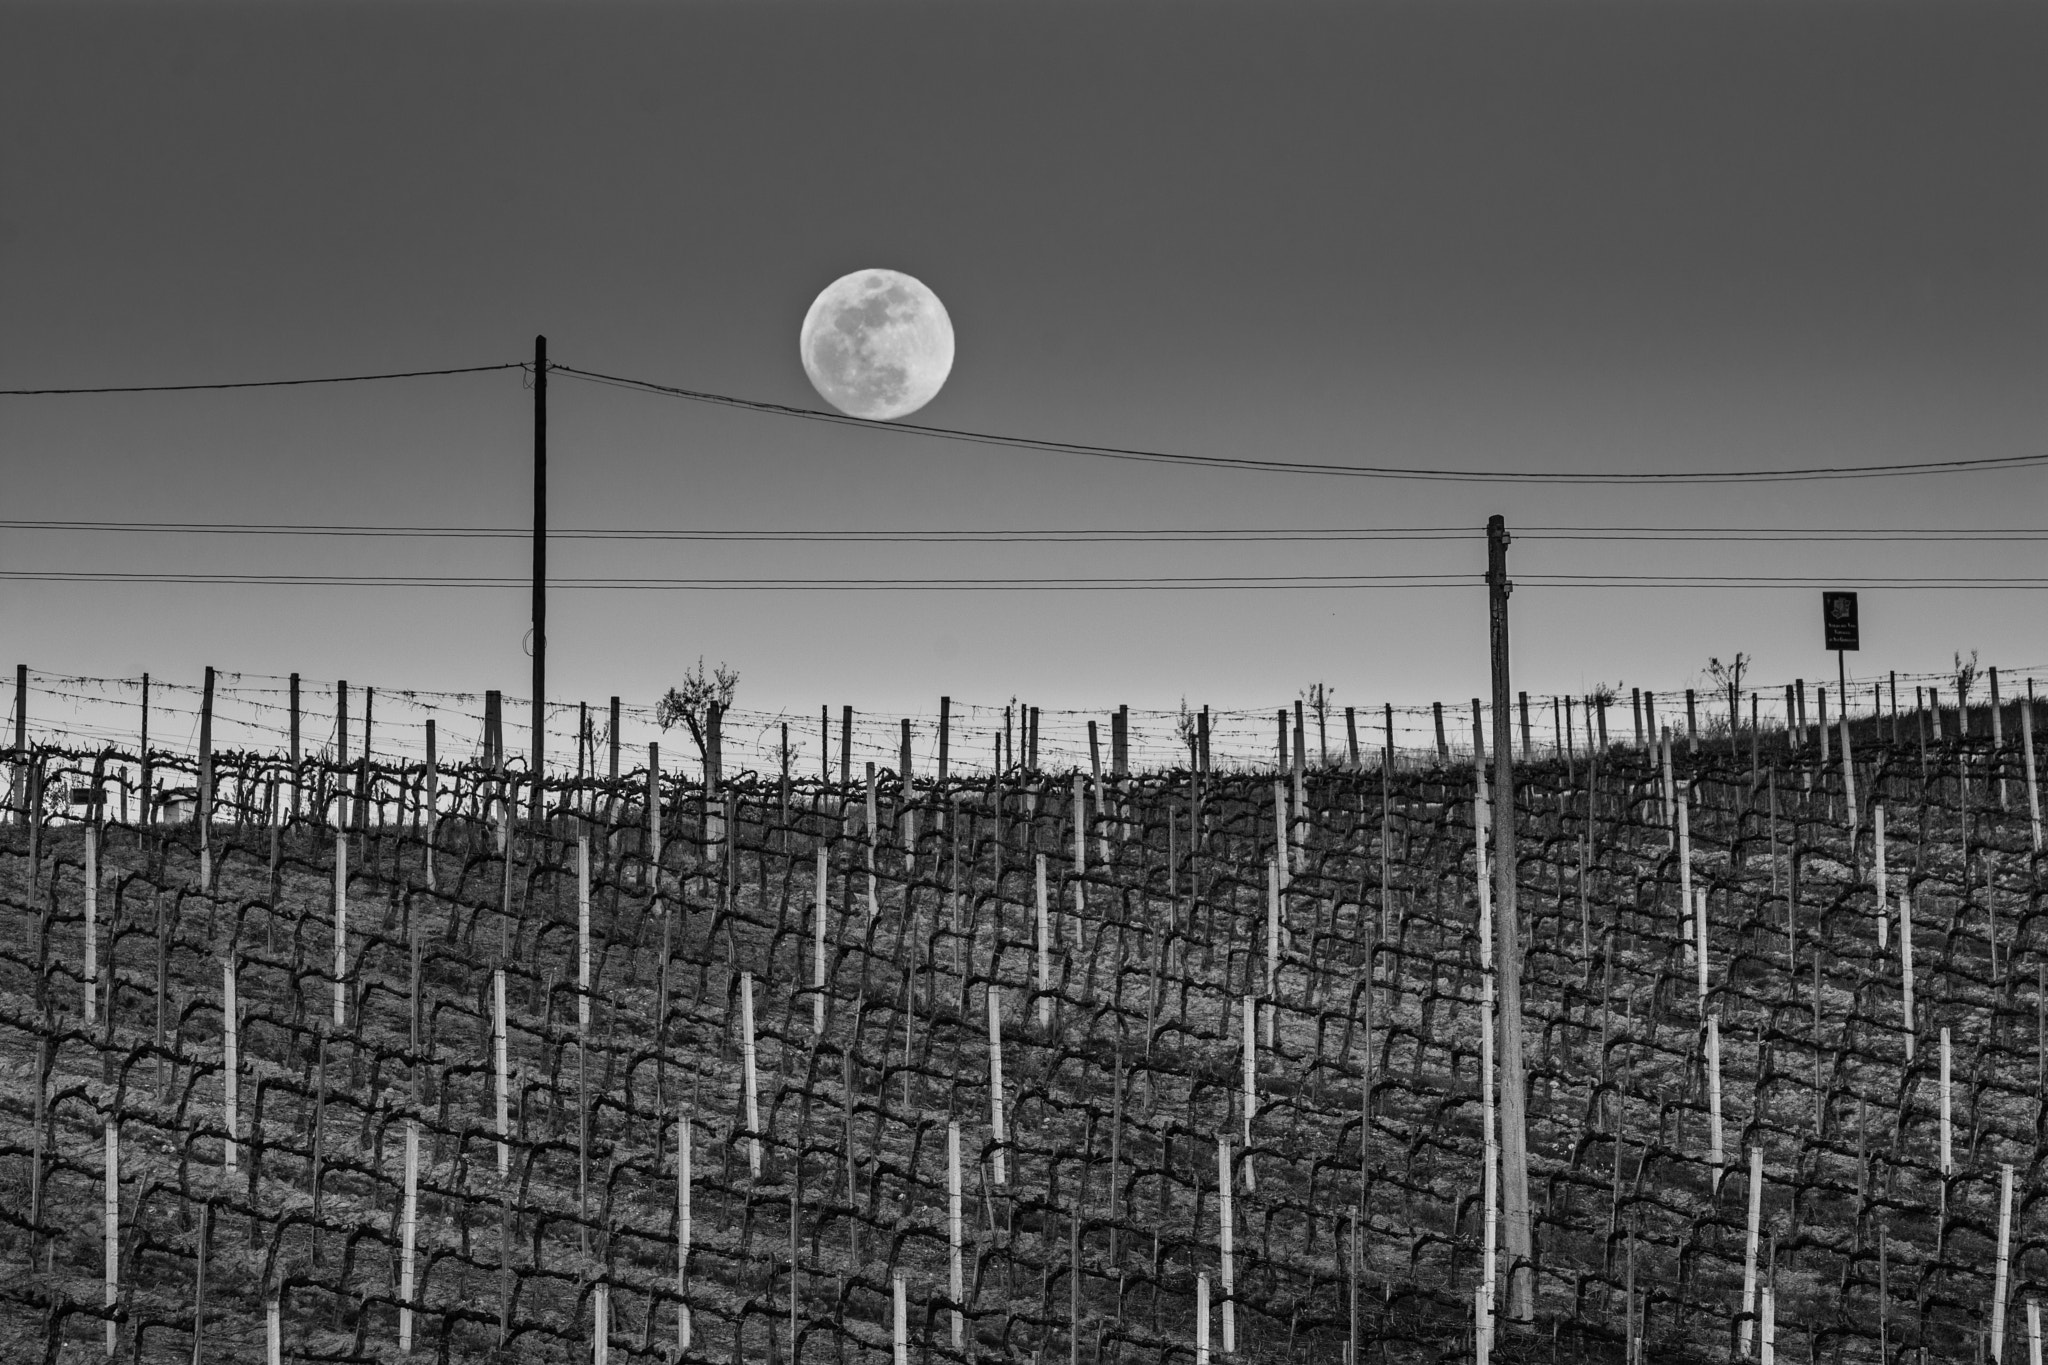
540, 563
1514, 1120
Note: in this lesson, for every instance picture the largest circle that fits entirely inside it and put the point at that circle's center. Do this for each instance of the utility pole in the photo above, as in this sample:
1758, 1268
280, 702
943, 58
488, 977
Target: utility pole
540, 565
1514, 1118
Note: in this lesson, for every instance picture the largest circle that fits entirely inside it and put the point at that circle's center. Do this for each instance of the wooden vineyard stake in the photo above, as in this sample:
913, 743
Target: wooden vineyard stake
1947, 1150
995, 1081
340, 928
1714, 1150
954, 1287
92, 933
112, 1235
1280, 819
273, 1332
684, 1179
2033, 1332
583, 933
874, 835
749, 1074
1744, 1328
1906, 968
2003, 1264
205, 803
1044, 950
229, 1060
408, 1233
1699, 933
1227, 1277
1251, 1081
654, 819
2033, 789
1202, 1318
1489, 1136
899, 1321
498, 1048
600, 1324
818, 903
1880, 873
1273, 890
1769, 1315
1849, 781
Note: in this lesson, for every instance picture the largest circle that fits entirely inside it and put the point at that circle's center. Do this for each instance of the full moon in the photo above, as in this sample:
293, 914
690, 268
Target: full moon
877, 344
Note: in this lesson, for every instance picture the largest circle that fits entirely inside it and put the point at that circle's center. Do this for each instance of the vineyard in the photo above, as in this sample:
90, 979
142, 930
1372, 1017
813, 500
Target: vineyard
375, 1058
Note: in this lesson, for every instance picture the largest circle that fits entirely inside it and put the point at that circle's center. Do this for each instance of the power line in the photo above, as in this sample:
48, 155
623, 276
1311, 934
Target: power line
1155, 535
1312, 467
1218, 582
1078, 536
1190, 582
264, 383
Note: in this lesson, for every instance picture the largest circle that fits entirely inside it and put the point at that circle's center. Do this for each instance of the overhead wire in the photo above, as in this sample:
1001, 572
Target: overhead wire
1239, 462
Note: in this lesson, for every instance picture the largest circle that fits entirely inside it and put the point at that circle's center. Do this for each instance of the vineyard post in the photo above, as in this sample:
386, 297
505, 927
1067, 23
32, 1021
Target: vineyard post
1351, 733
230, 1058
750, 1074
1224, 1235
206, 783
1906, 967
684, 1180
1997, 736
1756, 1203
430, 798
148, 812
1202, 1318
1443, 758
92, 906
1251, 1081
995, 1080
654, 824
1514, 1087
1692, 724
298, 782
1880, 874
1947, 1145
899, 1321
818, 948
498, 1047
1522, 701
1044, 948
612, 792
408, 1233
954, 1288
945, 736
845, 746
112, 1216
2003, 1264
2027, 754
340, 925
540, 566
1714, 1148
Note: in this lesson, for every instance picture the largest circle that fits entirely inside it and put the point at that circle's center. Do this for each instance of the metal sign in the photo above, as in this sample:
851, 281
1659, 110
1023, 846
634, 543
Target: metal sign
88, 796
1838, 619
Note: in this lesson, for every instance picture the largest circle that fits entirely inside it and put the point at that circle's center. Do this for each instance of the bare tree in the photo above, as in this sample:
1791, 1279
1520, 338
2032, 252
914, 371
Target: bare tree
1318, 699
1189, 731
1729, 678
699, 703
1966, 678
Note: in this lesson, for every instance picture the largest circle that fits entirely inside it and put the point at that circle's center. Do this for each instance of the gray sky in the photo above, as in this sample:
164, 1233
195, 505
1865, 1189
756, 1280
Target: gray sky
1547, 237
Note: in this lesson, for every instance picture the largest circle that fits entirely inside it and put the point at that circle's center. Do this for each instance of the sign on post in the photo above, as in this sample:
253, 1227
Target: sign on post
1838, 619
